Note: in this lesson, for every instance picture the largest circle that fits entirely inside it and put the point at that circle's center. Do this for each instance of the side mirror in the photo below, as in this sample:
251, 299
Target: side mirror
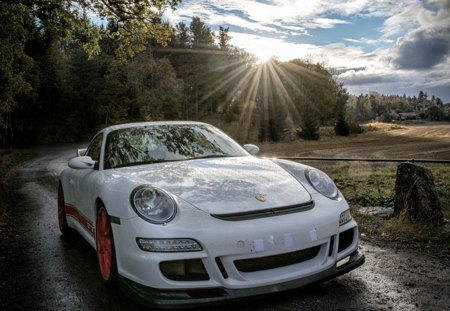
81, 152
81, 162
252, 149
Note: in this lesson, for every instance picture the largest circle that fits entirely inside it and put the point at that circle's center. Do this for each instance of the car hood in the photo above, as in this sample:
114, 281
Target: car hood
224, 185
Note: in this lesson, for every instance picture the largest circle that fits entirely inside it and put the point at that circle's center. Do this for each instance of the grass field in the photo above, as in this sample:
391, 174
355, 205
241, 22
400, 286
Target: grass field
372, 183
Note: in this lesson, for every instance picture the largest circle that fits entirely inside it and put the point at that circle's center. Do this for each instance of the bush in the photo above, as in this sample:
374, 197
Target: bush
309, 126
341, 128
353, 125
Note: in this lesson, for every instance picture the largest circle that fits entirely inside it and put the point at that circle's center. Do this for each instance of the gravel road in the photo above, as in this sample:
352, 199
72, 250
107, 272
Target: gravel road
41, 270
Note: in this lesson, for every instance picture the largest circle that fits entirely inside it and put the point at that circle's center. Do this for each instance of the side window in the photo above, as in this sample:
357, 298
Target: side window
94, 148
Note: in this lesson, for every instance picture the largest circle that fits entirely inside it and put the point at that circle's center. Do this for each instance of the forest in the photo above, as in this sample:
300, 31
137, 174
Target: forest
64, 77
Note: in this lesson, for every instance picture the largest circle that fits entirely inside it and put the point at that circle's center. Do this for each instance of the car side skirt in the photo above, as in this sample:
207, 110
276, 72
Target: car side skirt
82, 224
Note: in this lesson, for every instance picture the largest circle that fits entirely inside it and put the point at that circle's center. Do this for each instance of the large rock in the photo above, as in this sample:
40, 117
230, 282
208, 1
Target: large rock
416, 195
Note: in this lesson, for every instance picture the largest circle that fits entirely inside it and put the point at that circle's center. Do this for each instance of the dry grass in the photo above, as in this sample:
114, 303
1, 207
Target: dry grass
379, 126
402, 228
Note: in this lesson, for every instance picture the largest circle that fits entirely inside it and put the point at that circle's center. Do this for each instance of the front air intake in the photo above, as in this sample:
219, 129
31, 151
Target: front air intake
276, 261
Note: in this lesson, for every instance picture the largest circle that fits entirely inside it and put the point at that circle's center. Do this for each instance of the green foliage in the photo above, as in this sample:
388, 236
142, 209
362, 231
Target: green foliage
385, 108
341, 128
308, 84
372, 189
309, 126
224, 38
436, 113
442, 181
35, 39
136, 22
11, 158
181, 36
201, 35
154, 88
15, 64
377, 187
353, 125
8, 160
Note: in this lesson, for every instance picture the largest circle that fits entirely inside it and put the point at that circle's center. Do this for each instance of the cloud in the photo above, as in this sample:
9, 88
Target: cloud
422, 50
324, 23
365, 80
370, 41
342, 56
267, 16
429, 44
264, 47
363, 77
401, 19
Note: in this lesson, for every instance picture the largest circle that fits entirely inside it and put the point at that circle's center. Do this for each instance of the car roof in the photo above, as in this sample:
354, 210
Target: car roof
144, 124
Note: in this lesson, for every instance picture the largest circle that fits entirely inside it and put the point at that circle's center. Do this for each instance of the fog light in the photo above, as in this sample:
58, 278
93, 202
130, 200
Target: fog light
345, 217
342, 262
168, 245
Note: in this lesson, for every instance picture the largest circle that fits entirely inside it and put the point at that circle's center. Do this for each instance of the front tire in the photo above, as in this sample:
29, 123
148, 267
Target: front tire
62, 218
106, 255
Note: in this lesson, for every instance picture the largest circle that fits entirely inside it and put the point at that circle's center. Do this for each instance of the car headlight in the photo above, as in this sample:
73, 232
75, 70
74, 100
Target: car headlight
152, 204
322, 183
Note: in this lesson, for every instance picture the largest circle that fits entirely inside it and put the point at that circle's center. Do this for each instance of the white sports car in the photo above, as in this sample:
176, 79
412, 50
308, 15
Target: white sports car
180, 214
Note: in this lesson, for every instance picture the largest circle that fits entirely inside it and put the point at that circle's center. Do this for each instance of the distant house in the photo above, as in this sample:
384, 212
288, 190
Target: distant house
403, 116
408, 116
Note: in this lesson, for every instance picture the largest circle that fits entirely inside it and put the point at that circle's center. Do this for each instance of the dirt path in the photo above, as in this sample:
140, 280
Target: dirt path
430, 141
40, 270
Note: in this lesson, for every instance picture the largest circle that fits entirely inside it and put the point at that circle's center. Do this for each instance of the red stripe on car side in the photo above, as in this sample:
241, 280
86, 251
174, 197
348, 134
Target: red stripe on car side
73, 212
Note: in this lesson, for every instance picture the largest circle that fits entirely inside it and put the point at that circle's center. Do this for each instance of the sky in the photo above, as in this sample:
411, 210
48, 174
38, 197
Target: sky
387, 46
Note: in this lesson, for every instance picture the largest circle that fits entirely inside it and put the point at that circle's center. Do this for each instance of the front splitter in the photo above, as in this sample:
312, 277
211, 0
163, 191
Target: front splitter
190, 298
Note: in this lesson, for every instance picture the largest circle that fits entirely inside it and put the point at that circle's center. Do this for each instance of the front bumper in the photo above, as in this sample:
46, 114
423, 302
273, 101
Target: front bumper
241, 258
169, 299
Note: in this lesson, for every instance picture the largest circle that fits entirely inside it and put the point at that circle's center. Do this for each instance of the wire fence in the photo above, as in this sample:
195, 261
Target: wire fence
366, 160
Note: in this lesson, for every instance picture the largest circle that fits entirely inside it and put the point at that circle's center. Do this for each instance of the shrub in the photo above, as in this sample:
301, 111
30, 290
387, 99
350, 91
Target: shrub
341, 128
309, 126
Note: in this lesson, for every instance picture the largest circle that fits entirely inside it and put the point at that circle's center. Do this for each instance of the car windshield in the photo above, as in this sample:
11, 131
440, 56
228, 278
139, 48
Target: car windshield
163, 143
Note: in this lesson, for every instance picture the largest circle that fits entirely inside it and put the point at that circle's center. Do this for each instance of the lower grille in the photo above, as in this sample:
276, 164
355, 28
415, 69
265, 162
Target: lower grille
276, 261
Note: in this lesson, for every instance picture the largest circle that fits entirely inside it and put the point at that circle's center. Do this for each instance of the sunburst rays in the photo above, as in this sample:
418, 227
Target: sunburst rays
264, 92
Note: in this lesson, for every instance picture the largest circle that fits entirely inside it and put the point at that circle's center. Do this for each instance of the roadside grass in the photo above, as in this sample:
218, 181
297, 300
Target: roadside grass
8, 160
401, 228
11, 158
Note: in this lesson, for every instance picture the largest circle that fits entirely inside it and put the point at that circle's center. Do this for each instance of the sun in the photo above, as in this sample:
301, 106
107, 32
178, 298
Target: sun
263, 48
264, 56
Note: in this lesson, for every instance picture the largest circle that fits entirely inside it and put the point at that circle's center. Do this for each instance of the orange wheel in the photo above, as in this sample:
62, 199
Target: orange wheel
105, 247
62, 220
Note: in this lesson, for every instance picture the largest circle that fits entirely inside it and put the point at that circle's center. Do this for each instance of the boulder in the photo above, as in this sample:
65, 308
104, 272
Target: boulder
416, 195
